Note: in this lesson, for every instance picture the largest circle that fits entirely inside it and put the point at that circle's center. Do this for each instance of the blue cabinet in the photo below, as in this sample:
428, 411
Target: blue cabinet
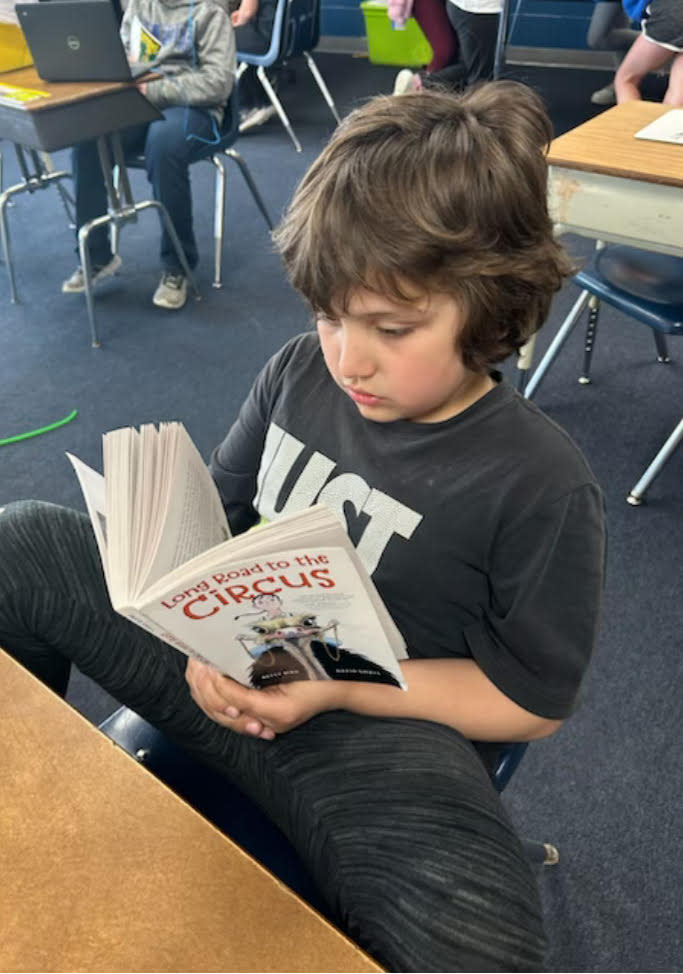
536, 23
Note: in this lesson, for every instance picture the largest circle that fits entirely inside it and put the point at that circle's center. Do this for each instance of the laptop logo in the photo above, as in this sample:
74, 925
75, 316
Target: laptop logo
72, 42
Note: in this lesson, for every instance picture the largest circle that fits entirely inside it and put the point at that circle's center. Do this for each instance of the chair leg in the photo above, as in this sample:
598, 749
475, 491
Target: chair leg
501, 40
524, 361
555, 346
636, 497
662, 349
321, 84
218, 219
275, 102
244, 169
541, 853
591, 328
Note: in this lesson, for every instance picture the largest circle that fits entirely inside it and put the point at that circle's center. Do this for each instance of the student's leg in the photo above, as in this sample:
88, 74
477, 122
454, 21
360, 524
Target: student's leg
663, 26
674, 91
609, 28
432, 17
172, 144
476, 35
644, 57
91, 199
396, 819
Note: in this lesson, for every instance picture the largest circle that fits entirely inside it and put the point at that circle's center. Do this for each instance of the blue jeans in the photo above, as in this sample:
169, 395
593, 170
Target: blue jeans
169, 146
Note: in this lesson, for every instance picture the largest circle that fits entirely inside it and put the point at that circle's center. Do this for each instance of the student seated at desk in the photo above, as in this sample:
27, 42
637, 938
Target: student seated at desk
190, 43
421, 240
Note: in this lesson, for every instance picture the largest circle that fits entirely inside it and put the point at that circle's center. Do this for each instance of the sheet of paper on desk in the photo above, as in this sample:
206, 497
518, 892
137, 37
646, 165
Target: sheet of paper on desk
667, 128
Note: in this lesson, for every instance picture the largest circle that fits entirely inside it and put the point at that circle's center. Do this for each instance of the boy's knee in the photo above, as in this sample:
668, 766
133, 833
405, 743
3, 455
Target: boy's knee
22, 512
441, 900
166, 146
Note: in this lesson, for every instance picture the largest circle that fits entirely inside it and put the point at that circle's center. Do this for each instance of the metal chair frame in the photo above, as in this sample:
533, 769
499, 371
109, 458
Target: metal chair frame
293, 35
215, 154
662, 316
38, 172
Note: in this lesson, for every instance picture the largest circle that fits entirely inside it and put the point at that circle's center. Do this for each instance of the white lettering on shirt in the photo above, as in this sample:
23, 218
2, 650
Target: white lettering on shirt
386, 516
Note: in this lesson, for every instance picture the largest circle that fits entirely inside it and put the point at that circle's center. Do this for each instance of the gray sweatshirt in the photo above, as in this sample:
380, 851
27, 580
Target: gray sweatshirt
192, 46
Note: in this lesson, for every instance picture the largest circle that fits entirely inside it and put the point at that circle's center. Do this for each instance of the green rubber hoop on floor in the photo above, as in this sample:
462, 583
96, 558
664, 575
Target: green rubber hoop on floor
43, 429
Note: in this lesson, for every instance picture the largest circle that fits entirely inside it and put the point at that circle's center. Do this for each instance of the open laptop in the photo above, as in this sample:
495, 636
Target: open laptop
76, 40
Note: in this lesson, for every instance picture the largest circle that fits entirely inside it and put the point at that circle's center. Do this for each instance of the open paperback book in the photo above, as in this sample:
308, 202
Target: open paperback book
286, 601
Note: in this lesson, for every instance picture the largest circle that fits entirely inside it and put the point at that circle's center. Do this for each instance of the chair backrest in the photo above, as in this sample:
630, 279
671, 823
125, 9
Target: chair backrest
272, 54
296, 28
302, 28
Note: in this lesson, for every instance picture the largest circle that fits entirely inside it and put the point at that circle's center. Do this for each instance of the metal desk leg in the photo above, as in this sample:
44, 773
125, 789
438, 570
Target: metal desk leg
34, 178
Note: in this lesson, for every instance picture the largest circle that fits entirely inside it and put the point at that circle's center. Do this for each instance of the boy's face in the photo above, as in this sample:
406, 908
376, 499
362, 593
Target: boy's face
400, 360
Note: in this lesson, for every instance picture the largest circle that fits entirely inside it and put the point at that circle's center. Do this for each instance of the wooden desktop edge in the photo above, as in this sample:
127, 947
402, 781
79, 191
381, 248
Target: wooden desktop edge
606, 145
60, 92
15, 672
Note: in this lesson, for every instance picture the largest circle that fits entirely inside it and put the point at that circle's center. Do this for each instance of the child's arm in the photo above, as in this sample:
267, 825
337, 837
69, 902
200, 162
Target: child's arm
454, 692
246, 11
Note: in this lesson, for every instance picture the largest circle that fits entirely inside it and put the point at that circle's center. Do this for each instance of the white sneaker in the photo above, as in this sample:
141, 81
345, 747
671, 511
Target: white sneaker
76, 283
172, 291
254, 117
406, 80
604, 96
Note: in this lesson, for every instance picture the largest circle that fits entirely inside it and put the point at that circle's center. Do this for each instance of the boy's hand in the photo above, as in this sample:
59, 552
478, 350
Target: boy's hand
246, 11
259, 713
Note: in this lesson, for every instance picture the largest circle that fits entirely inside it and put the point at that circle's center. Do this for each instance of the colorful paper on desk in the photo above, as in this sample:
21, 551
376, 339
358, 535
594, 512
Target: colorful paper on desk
15, 96
666, 128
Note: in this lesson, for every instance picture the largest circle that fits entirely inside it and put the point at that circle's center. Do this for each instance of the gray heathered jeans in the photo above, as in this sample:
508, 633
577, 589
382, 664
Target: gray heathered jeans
396, 820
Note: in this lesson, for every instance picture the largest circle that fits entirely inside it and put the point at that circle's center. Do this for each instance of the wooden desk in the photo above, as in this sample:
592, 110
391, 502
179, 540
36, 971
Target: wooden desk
104, 869
606, 184
74, 112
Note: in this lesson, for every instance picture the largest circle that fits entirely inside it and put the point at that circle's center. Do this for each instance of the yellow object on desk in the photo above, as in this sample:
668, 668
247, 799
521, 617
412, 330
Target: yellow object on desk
14, 95
14, 52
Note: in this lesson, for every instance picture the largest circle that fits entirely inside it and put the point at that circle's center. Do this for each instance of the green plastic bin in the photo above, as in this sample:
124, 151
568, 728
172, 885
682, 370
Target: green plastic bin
407, 48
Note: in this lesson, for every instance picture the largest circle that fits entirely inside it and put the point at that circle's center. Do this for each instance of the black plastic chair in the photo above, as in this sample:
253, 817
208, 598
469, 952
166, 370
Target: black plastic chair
296, 31
229, 809
215, 153
647, 287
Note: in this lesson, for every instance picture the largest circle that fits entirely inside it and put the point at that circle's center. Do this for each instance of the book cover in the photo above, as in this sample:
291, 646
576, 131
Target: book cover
297, 614
289, 600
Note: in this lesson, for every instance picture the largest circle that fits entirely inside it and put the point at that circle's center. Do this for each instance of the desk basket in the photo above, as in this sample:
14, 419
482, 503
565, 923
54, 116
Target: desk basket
408, 48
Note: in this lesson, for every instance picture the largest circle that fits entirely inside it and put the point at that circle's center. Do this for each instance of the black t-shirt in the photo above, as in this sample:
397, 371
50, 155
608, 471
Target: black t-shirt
484, 534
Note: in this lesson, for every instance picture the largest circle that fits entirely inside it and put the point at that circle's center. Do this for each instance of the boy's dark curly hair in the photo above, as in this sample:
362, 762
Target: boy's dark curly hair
433, 191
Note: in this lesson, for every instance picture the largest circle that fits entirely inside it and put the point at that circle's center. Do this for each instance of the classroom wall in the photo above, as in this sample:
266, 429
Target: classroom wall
535, 23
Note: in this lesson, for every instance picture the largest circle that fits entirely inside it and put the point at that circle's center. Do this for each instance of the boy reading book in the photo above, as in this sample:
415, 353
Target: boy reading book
421, 239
